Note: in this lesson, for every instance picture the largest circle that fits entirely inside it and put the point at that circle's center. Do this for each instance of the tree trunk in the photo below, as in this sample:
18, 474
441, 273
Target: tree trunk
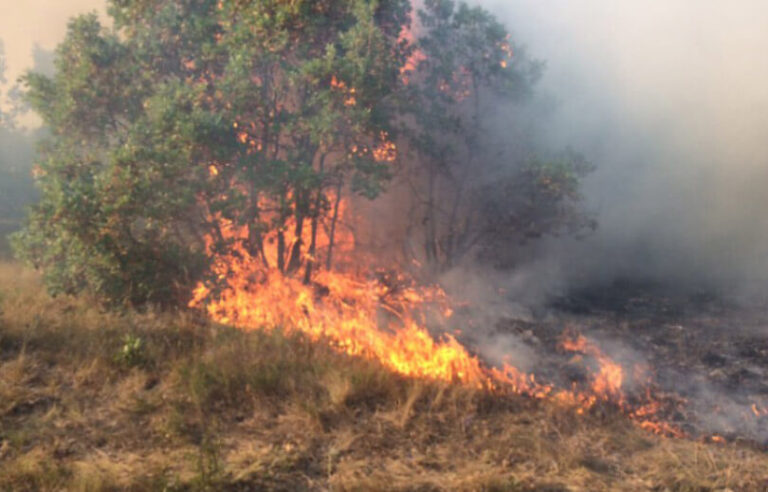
430, 217
334, 219
281, 251
295, 260
315, 221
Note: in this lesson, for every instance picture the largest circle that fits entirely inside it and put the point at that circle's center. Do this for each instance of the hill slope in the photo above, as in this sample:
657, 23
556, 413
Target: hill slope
93, 400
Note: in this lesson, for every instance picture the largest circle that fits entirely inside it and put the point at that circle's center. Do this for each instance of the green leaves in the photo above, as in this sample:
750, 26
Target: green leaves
262, 112
141, 115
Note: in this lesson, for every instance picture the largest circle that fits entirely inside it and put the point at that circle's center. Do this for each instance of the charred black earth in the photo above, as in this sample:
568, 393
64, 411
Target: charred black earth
707, 355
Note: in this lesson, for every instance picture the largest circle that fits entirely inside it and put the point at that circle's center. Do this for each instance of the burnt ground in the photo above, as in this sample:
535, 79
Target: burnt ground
708, 356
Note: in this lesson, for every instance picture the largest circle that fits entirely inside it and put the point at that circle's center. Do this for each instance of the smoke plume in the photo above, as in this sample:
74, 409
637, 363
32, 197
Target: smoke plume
668, 99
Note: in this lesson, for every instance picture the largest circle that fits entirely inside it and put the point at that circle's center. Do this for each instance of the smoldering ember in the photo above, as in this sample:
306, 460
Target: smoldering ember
383, 245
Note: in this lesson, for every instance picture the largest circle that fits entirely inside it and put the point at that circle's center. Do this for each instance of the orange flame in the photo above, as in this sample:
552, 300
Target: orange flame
358, 314
385, 318
606, 385
373, 314
416, 56
349, 92
347, 312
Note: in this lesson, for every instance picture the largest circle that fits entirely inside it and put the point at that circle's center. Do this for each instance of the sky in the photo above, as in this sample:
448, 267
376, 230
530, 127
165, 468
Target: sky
26, 23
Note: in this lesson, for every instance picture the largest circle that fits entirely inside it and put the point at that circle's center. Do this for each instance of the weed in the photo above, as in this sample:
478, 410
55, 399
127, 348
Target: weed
131, 353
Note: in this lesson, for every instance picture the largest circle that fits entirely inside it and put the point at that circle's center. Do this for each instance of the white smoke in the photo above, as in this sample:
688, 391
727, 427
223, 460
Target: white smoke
669, 98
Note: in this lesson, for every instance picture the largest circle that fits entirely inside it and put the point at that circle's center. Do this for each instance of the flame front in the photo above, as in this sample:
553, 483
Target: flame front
384, 317
358, 314
607, 383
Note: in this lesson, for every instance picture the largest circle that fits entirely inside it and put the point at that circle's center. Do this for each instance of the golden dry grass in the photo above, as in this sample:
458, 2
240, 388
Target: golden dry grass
94, 400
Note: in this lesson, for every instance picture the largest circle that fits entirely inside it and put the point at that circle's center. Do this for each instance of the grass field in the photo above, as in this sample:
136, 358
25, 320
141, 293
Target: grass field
94, 400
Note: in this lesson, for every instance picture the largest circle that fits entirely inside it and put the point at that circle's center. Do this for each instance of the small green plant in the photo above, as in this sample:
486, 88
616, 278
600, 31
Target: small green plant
208, 463
131, 352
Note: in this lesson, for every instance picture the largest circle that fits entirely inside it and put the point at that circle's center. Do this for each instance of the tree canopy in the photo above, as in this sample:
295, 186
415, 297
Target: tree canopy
190, 114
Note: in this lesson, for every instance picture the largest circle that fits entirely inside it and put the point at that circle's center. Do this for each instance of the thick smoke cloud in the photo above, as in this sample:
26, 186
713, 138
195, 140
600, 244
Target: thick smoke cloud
669, 99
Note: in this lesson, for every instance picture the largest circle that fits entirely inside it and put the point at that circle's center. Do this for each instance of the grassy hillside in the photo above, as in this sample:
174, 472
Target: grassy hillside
92, 400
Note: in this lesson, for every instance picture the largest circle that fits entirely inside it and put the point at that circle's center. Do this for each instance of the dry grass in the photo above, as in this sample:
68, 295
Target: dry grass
93, 400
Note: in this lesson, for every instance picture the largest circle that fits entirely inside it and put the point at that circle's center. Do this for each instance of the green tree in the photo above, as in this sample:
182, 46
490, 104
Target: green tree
189, 117
190, 111
477, 189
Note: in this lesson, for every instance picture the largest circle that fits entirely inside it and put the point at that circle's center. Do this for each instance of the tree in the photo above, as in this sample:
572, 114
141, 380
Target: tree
192, 112
475, 190
197, 128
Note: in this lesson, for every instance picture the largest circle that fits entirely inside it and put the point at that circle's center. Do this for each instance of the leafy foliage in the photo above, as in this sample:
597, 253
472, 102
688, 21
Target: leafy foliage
188, 114
190, 111
131, 352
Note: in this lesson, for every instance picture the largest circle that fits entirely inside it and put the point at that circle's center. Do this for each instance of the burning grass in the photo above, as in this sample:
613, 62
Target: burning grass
384, 316
91, 400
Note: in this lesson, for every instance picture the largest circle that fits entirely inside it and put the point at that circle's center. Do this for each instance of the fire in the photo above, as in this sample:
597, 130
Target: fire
384, 316
717, 439
758, 411
415, 58
374, 314
377, 316
385, 150
349, 92
607, 383
366, 312
347, 312
506, 52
